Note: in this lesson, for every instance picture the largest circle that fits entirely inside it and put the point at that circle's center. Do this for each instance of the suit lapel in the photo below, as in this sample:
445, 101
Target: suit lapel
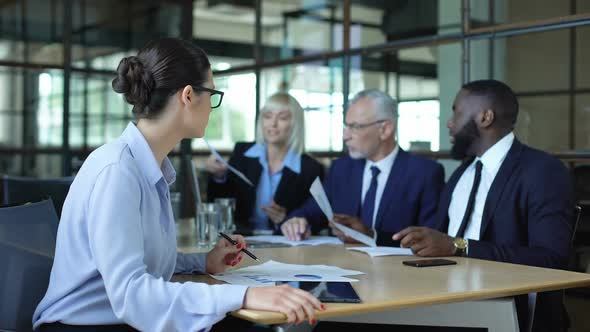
504, 173
356, 186
391, 192
252, 172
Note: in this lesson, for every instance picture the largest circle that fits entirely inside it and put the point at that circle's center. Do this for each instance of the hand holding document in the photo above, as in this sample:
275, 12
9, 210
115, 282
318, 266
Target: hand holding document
318, 193
231, 168
384, 251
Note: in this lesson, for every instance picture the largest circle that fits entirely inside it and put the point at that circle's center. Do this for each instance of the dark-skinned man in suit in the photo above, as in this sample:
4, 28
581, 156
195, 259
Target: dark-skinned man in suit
507, 202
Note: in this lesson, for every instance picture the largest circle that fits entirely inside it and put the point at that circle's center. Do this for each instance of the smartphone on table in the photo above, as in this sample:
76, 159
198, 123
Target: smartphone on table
429, 262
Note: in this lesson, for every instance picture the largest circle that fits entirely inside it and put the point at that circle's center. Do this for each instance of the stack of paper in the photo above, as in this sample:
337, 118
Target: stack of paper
269, 273
384, 251
311, 241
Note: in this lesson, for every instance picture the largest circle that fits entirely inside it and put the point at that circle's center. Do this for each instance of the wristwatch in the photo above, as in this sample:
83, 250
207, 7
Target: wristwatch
460, 246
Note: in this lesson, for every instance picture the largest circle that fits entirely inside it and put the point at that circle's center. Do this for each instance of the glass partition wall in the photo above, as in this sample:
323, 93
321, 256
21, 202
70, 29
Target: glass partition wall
57, 59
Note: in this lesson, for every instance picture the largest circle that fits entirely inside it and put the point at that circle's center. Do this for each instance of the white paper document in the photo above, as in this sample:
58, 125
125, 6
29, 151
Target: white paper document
269, 273
231, 168
311, 241
318, 193
384, 251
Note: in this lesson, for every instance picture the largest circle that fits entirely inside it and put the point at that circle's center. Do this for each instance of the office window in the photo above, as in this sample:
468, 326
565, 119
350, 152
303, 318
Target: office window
296, 28
225, 31
418, 125
234, 120
323, 119
50, 109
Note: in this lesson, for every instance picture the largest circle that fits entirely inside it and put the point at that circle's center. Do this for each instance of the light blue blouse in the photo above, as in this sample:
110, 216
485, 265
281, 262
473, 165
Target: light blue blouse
268, 183
116, 249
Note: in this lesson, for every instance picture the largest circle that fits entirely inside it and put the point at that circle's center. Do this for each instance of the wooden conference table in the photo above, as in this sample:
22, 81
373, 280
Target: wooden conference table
393, 293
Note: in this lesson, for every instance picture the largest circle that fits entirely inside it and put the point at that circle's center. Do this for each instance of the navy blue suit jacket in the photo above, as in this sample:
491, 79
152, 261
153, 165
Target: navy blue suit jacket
527, 219
528, 214
410, 196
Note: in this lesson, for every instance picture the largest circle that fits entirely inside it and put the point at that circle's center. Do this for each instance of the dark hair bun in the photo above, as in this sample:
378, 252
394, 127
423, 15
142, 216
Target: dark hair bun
134, 81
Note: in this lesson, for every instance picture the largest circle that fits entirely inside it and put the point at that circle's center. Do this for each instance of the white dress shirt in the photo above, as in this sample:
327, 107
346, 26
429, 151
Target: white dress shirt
492, 160
384, 165
116, 249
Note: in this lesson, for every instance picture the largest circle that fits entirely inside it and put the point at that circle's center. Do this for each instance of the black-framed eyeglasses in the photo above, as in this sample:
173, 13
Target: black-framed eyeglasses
359, 126
216, 95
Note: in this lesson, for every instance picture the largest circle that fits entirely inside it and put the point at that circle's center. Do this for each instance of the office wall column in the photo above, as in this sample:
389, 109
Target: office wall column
187, 206
67, 58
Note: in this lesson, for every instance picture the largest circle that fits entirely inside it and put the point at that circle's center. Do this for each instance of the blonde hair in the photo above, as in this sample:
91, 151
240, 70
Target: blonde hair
280, 101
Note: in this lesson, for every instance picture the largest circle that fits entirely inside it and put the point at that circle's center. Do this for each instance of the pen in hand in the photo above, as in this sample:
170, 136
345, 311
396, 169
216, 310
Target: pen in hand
234, 242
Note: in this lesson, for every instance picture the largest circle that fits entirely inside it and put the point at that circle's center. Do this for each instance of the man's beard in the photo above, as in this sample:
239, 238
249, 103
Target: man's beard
464, 140
356, 155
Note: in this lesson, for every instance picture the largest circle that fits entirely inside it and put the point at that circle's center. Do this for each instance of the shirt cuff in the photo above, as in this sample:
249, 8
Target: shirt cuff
232, 295
188, 263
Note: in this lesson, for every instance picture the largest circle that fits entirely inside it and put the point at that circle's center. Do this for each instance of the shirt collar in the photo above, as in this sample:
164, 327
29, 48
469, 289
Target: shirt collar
292, 159
146, 161
494, 156
385, 163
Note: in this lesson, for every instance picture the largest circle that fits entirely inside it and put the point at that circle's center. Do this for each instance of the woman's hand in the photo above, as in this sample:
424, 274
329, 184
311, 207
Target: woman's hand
275, 212
296, 304
215, 167
225, 254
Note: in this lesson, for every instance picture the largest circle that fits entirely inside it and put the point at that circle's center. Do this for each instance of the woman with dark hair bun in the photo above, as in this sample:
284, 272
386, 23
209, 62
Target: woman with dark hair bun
116, 243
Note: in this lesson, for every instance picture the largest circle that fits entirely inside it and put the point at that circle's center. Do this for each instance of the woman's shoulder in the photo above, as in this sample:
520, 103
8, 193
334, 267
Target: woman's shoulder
242, 147
116, 152
309, 162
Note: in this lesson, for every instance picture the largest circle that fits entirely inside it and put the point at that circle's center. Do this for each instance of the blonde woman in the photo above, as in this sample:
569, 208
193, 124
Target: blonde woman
276, 165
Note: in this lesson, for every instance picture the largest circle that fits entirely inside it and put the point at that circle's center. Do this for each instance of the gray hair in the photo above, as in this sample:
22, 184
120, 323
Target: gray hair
385, 105
279, 101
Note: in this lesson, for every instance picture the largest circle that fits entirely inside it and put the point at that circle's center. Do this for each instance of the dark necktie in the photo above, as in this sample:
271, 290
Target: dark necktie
369, 202
471, 201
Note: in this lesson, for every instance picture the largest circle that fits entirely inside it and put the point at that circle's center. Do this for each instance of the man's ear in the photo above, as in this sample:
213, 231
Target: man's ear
486, 118
387, 129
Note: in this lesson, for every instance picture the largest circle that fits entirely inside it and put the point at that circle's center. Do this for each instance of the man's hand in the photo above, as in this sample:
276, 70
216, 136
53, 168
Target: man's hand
351, 222
275, 212
425, 241
296, 229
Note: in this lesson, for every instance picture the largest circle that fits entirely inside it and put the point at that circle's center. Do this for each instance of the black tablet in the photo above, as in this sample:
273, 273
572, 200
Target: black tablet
329, 292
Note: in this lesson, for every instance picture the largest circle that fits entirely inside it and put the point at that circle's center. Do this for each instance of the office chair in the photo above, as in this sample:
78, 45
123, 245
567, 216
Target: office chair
532, 297
31, 226
20, 190
23, 283
27, 246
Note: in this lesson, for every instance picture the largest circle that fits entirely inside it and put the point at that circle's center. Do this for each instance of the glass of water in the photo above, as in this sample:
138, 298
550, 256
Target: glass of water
207, 224
227, 207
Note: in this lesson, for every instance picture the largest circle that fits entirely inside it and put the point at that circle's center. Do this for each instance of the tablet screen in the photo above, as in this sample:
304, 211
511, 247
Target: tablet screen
327, 291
